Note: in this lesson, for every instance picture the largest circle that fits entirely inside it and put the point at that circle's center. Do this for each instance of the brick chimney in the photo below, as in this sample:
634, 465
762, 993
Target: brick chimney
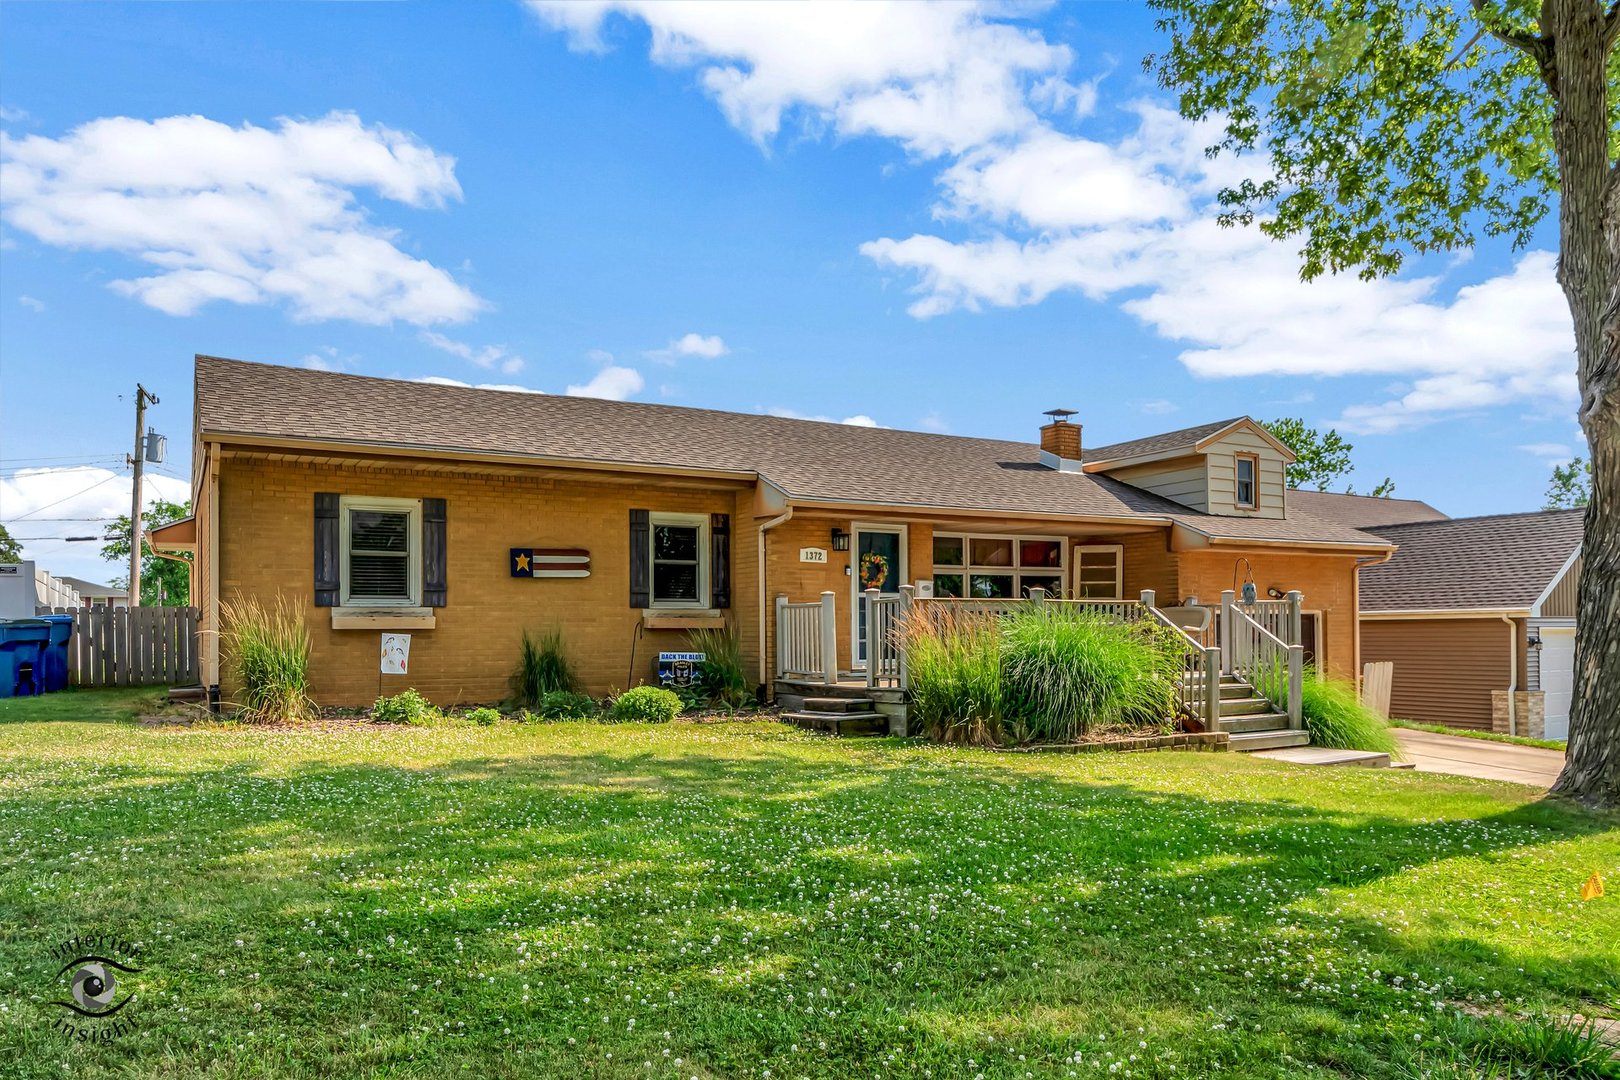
1060, 442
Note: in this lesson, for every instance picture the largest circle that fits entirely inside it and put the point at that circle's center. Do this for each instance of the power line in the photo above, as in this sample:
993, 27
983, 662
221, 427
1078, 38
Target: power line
67, 457
65, 498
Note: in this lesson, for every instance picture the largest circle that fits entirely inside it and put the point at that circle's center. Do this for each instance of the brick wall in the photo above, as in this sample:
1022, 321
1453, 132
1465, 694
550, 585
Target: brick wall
1529, 709
1327, 582
266, 542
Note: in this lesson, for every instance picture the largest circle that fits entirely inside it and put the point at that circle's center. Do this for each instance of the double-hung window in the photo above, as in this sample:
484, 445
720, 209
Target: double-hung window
382, 552
1246, 465
680, 562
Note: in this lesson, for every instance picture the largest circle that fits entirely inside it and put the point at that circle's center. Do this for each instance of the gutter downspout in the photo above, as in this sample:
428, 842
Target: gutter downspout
1513, 675
764, 608
1363, 563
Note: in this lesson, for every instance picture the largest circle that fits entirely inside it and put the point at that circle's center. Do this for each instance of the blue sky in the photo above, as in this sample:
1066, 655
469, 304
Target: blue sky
922, 217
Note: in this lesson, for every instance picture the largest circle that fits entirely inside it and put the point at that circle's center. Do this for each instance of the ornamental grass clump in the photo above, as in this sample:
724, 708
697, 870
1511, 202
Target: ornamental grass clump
268, 651
954, 660
1065, 672
543, 668
1336, 717
725, 680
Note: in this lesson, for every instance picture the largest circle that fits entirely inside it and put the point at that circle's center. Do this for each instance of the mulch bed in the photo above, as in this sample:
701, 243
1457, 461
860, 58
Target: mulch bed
1181, 740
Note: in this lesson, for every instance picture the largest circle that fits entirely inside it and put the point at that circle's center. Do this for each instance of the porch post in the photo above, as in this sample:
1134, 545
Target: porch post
781, 617
829, 638
1228, 604
906, 597
1149, 599
1037, 596
1296, 686
1296, 624
874, 638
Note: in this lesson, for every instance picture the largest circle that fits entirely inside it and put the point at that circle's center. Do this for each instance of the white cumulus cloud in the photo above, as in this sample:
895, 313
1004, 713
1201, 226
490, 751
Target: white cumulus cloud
858, 420
613, 382
710, 347
245, 215
1042, 188
486, 356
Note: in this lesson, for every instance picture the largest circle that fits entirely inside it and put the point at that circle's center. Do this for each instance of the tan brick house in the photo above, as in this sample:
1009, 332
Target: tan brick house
464, 516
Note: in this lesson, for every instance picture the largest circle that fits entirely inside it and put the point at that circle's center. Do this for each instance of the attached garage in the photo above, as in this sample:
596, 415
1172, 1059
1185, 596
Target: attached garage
1477, 617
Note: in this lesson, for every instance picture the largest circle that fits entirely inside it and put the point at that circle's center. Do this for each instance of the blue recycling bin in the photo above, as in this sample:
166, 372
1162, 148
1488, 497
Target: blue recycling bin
23, 644
56, 651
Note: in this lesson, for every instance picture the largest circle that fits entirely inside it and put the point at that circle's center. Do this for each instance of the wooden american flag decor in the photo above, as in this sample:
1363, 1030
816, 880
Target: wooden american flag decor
550, 562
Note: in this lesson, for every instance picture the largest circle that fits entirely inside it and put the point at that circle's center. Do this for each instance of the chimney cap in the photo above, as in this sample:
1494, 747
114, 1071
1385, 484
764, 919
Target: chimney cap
1060, 416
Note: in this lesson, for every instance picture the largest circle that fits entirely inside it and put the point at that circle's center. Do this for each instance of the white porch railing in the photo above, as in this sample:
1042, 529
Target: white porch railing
1274, 667
885, 657
807, 639
1198, 691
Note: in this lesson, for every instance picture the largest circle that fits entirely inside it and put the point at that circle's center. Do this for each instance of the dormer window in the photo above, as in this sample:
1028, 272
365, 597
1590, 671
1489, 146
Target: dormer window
1247, 464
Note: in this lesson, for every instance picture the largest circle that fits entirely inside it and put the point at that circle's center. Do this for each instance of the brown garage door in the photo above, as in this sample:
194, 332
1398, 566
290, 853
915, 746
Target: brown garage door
1445, 669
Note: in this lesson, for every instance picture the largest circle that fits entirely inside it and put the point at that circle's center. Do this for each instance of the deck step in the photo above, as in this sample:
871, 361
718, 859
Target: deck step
838, 705
1267, 721
1267, 740
841, 724
1245, 706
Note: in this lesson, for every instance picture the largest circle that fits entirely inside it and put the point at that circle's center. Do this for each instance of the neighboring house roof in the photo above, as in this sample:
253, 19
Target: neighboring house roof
90, 588
1499, 563
809, 461
1363, 511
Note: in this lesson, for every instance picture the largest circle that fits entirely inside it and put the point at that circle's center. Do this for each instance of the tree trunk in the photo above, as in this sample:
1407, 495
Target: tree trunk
1589, 271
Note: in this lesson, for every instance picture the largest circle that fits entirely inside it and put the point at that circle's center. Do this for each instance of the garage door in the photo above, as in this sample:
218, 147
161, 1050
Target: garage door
1557, 678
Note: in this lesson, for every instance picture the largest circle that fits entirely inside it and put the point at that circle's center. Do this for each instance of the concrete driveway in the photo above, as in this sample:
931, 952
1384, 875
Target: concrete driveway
1480, 758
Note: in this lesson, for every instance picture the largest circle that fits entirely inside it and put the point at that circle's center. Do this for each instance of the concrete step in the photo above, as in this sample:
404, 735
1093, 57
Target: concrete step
1322, 755
838, 705
842, 724
1267, 721
1245, 706
1267, 740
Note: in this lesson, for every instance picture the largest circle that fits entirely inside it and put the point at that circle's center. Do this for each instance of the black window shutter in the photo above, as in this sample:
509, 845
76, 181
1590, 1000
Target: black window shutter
434, 563
720, 560
327, 557
640, 559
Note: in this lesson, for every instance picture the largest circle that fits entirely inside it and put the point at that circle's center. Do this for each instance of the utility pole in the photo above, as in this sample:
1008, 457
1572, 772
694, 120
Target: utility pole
138, 461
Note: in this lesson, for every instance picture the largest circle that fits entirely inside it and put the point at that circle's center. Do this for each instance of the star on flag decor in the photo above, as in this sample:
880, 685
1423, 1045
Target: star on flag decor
550, 562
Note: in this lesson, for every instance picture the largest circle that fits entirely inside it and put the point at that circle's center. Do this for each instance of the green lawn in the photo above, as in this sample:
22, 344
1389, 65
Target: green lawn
742, 900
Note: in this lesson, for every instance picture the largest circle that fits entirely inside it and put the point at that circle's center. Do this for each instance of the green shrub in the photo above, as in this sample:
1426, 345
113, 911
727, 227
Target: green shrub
646, 704
543, 668
1066, 671
405, 707
268, 650
483, 717
954, 661
1336, 718
567, 705
725, 678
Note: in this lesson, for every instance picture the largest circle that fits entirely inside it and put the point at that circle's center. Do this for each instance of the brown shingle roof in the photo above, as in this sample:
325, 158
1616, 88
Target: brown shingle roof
1167, 443
810, 460
1503, 561
1362, 511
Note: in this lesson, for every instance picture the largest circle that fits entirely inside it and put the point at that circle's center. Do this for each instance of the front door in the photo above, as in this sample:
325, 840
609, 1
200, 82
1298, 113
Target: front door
879, 563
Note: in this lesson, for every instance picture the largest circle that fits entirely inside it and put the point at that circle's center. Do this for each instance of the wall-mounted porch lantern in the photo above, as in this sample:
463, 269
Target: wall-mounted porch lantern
840, 540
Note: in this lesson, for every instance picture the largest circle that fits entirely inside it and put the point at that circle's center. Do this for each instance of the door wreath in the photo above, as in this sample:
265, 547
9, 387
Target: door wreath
874, 569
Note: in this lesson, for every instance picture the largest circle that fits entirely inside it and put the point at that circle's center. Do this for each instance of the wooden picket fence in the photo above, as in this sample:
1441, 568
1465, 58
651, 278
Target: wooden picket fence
145, 647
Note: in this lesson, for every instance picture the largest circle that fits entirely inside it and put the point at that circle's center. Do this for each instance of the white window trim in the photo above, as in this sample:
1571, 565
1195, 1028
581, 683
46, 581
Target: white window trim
705, 554
413, 548
968, 569
1119, 570
1254, 481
